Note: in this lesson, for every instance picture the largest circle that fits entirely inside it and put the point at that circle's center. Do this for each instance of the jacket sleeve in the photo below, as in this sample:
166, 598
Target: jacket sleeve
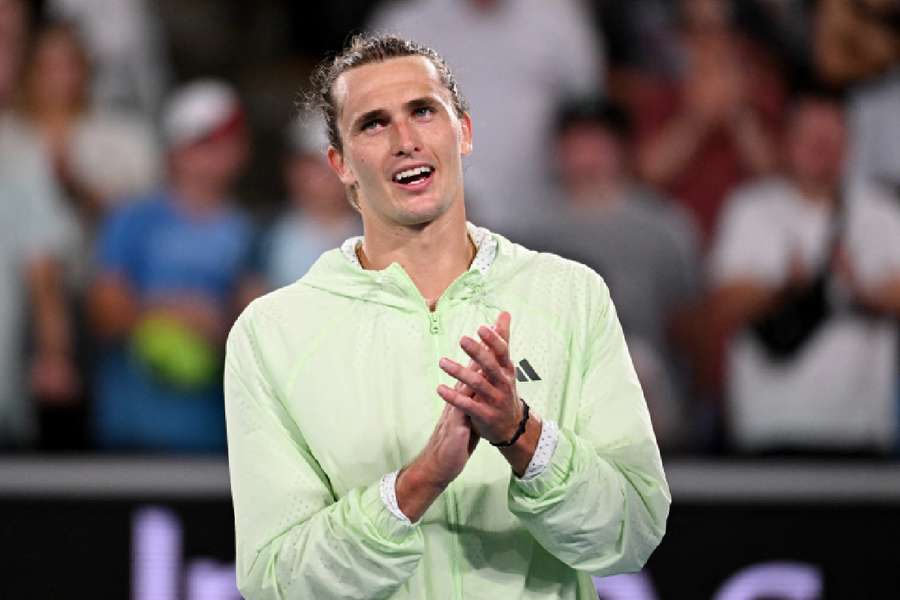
294, 538
601, 504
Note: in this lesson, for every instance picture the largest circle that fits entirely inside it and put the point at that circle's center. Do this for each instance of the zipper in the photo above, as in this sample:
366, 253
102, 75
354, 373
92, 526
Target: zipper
453, 522
451, 509
434, 322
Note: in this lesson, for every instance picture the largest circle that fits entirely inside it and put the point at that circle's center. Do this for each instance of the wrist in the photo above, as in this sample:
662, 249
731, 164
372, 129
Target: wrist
420, 475
415, 489
521, 422
519, 455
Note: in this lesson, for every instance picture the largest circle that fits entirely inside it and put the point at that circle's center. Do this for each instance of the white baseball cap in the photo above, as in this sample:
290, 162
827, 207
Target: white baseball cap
199, 109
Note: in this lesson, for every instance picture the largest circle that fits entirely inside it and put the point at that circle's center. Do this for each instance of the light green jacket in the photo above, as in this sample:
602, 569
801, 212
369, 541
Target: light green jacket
330, 384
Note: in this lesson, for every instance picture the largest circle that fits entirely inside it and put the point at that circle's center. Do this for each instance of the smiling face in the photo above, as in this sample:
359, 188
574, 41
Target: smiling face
402, 141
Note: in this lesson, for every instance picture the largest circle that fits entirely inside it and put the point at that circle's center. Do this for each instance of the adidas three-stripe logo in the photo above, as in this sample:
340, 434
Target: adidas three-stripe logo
525, 372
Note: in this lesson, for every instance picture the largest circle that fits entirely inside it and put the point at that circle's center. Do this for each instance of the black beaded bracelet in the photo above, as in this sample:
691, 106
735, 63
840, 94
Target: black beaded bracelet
518, 432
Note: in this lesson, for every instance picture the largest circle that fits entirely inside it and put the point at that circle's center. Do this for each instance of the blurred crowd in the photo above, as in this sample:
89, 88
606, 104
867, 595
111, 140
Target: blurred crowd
732, 170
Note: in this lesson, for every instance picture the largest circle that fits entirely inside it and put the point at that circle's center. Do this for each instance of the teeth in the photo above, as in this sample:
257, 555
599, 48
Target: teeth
412, 173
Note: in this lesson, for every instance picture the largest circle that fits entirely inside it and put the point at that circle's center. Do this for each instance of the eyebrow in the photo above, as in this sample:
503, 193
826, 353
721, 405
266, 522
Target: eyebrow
379, 113
368, 116
422, 102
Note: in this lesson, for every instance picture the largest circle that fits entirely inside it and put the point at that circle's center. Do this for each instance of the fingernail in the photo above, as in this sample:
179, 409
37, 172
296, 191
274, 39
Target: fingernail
444, 362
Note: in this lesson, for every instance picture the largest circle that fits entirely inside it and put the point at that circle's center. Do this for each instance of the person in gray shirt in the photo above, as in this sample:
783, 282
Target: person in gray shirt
645, 248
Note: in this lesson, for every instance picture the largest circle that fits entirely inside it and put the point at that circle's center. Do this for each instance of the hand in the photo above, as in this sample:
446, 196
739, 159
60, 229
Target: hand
493, 406
449, 447
196, 312
441, 461
54, 379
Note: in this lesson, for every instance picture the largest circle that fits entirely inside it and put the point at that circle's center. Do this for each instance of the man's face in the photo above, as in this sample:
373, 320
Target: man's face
60, 74
816, 139
402, 140
588, 155
218, 159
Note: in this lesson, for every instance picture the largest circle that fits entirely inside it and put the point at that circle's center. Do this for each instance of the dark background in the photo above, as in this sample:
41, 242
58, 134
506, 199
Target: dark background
80, 548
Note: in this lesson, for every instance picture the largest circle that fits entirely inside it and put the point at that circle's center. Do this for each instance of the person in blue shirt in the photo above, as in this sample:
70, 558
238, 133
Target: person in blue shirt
317, 217
173, 270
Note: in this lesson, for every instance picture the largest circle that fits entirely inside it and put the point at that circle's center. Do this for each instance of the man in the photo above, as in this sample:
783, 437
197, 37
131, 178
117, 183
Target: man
645, 247
806, 276
174, 269
333, 384
317, 217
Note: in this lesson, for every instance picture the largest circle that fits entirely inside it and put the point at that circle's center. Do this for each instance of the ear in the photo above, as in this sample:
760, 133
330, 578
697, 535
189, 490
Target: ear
340, 167
465, 124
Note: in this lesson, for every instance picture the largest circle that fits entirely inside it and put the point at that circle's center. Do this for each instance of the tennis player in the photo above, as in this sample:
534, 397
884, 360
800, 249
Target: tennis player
432, 411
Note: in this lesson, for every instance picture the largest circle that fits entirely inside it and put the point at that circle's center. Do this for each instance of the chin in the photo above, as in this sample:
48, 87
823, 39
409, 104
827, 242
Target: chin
421, 212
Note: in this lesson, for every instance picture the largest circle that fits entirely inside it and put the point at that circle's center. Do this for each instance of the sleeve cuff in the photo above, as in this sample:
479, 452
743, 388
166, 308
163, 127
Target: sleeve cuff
388, 490
543, 454
554, 474
384, 523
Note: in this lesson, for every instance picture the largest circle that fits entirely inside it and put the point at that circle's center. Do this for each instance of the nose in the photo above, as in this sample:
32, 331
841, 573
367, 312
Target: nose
405, 140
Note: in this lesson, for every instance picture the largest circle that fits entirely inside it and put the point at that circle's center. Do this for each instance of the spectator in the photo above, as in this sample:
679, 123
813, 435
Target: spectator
99, 156
806, 276
708, 126
33, 228
125, 43
857, 44
542, 52
174, 269
318, 217
643, 246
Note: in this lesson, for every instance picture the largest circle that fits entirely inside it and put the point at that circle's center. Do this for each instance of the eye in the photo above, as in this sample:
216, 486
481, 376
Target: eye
372, 125
423, 111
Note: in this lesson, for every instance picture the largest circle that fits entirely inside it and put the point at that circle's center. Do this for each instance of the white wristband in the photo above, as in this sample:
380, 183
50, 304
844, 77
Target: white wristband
388, 490
543, 454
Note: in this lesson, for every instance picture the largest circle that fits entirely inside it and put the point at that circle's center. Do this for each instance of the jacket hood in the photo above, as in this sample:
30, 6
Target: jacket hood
337, 272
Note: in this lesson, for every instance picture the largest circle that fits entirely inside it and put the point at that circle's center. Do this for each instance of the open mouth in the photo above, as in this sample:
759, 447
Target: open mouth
414, 177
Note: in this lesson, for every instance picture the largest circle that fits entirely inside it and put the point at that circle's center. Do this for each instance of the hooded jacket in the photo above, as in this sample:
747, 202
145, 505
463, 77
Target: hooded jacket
330, 384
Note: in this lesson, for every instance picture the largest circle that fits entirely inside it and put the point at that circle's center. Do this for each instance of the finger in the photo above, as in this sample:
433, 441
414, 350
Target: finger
485, 359
468, 406
474, 380
497, 344
455, 416
461, 387
502, 325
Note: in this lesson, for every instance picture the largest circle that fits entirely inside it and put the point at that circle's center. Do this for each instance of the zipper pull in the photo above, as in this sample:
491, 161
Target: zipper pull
435, 324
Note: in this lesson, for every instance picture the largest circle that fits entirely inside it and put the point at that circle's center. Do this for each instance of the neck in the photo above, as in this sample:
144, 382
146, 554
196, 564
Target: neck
433, 254
607, 193
54, 112
197, 195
